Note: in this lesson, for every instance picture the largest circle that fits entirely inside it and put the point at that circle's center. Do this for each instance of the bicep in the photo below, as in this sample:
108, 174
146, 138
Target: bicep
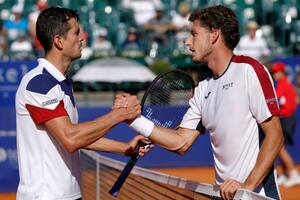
272, 127
59, 128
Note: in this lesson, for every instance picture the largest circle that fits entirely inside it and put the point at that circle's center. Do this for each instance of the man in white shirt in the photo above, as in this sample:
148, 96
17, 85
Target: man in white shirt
237, 104
253, 45
48, 133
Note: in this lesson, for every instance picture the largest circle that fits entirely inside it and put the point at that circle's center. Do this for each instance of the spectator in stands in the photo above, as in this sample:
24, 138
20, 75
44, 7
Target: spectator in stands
143, 10
159, 26
132, 41
21, 48
101, 42
16, 23
32, 18
181, 23
287, 98
3, 42
252, 45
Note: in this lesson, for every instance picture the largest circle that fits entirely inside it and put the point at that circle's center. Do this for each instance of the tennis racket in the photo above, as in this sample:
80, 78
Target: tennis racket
165, 102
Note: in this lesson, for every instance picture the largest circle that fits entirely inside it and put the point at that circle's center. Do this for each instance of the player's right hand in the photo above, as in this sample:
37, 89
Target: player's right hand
120, 101
129, 104
134, 107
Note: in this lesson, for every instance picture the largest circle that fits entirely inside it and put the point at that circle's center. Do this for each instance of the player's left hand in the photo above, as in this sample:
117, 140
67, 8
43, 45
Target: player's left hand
138, 145
229, 188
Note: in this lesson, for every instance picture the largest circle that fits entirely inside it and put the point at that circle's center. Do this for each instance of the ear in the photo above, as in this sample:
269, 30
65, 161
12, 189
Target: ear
215, 33
57, 42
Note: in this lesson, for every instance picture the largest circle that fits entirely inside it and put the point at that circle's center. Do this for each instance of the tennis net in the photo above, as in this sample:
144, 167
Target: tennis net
98, 174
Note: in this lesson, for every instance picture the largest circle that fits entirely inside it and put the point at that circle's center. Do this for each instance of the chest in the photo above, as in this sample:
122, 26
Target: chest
223, 98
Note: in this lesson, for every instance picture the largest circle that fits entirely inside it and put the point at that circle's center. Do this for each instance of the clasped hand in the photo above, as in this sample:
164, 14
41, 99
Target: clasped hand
130, 104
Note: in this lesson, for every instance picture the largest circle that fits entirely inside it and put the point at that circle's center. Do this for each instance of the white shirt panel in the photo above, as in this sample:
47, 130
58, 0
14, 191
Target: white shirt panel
193, 116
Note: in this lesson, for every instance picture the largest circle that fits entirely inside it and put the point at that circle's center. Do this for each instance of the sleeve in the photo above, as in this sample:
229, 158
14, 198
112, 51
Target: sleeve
44, 100
192, 117
261, 93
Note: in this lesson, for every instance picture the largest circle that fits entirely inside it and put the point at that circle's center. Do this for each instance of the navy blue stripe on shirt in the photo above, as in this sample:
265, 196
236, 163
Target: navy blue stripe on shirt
44, 82
41, 84
66, 86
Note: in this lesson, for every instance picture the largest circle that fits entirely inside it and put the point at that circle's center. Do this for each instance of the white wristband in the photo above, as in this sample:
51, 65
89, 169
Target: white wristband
143, 126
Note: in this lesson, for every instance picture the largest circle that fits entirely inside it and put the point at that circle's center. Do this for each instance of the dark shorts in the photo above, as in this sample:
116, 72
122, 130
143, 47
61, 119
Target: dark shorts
288, 125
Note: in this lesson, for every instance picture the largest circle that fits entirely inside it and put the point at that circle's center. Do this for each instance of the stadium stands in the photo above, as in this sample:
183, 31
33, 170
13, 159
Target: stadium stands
278, 20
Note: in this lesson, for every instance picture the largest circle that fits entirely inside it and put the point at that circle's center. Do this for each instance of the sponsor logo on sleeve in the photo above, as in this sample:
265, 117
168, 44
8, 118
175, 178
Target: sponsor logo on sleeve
49, 102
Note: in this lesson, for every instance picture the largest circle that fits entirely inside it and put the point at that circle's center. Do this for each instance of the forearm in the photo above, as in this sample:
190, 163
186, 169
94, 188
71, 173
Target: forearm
174, 140
108, 145
88, 132
267, 154
75, 136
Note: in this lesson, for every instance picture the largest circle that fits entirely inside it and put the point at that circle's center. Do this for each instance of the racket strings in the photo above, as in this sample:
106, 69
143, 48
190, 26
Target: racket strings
165, 94
168, 100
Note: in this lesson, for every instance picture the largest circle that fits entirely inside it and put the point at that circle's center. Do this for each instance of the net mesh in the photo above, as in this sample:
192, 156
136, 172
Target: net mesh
98, 174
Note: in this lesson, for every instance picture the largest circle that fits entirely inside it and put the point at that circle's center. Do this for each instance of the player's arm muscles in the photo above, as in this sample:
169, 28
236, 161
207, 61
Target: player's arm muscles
269, 150
178, 140
108, 145
75, 136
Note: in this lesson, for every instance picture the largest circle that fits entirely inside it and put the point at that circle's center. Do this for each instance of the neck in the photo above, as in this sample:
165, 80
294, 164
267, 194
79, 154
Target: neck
60, 62
219, 61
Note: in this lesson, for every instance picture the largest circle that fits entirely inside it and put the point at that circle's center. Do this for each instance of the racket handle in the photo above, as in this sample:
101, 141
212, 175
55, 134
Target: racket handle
114, 191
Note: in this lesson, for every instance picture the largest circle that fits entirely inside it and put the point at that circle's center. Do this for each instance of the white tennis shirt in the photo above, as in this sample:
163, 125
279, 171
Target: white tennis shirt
231, 107
47, 170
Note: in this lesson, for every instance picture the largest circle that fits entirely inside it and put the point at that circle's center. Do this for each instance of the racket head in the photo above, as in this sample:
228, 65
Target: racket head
167, 98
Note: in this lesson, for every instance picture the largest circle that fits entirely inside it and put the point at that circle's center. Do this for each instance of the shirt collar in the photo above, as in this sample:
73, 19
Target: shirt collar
51, 69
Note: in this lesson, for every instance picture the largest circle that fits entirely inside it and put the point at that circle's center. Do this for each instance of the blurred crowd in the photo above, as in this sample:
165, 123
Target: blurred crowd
154, 33
18, 39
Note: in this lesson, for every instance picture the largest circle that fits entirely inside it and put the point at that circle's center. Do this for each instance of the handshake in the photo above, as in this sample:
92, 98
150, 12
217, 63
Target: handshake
129, 106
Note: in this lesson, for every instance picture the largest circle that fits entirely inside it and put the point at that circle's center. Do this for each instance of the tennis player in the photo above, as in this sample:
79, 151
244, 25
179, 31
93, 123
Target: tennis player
48, 136
237, 104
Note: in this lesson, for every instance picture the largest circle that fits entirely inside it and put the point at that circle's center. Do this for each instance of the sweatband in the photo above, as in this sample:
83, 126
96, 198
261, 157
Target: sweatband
143, 126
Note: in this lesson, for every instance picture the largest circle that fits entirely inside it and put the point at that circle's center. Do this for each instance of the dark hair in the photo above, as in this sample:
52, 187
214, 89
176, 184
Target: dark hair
53, 21
219, 17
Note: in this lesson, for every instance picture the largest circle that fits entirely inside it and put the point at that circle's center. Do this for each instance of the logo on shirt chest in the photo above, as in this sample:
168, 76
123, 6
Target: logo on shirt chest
205, 97
227, 86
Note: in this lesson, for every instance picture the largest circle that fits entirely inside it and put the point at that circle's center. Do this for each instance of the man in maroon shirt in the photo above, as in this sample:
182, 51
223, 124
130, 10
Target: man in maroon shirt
287, 98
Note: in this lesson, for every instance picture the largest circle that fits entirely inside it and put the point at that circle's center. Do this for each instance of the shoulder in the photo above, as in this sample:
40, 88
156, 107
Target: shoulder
41, 83
247, 62
202, 85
